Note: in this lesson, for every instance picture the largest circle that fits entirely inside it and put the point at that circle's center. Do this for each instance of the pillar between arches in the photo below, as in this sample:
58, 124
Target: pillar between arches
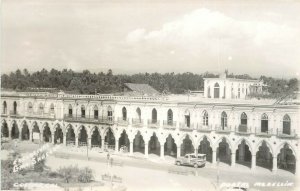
89, 142
131, 148
253, 162
178, 151
274, 169
162, 151
233, 159
76, 140
146, 150
214, 156
117, 145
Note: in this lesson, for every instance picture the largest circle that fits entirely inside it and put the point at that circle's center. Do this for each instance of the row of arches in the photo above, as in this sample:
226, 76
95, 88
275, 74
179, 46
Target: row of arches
223, 150
96, 113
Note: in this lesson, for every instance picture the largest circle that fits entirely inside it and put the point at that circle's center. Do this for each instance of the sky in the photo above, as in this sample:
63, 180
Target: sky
132, 36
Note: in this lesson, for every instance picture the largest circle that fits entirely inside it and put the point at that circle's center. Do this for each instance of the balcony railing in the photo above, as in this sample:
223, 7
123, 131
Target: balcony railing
223, 129
282, 134
40, 115
260, 133
203, 128
169, 124
137, 122
14, 114
122, 121
243, 129
185, 127
88, 119
152, 123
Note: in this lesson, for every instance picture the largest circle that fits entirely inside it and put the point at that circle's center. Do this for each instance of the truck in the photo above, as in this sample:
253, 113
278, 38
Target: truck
196, 161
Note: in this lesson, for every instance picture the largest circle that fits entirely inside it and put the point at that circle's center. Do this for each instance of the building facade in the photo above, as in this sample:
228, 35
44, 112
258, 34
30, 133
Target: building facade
249, 133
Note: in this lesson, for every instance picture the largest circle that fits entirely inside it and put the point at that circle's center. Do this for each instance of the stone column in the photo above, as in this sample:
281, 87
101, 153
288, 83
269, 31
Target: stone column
65, 140
146, 150
178, 151
52, 138
232, 159
131, 148
162, 150
30, 136
253, 162
76, 140
102, 143
274, 169
20, 135
90, 142
116, 145
214, 157
41, 137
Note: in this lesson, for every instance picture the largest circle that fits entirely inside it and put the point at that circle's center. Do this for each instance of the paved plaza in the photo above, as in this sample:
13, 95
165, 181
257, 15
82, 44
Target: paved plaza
154, 173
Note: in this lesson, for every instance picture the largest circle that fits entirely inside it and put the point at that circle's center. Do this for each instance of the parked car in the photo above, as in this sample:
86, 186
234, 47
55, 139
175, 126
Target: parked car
192, 160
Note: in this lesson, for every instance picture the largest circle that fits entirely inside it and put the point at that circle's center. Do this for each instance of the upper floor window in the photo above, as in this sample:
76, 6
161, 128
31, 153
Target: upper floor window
82, 111
286, 124
96, 112
4, 107
223, 120
205, 118
138, 114
52, 108
41, 108
154, 115
15, 107
216, 90
124, 114
244, 119
70, 110
264, 123
109, 113
30, 107
170, 117
187, 118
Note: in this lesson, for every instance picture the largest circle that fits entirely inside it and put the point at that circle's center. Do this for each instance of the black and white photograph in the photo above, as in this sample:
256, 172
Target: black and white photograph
150, 95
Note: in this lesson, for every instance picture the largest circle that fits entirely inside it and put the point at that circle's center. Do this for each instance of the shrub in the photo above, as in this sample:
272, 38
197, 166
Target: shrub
85, 175
74, 174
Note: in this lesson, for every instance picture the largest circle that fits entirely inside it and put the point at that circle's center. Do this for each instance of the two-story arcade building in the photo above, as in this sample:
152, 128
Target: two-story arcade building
249, 132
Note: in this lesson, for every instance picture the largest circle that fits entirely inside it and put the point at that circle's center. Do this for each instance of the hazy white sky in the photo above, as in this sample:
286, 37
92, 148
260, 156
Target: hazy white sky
257, 37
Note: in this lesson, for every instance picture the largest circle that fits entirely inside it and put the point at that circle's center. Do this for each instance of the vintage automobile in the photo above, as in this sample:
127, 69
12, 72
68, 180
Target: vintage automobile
192, 160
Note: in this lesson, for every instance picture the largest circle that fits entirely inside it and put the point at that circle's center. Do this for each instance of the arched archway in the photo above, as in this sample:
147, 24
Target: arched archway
187, 146
82, 111
58, 135
205, 148
96, 138
35, 132
223, 120
264, 123
170, 147
224, 151
4, 129
243, 153
154, 145
286, 158
82, 136
138, 143
110, 140
70, 136
15, 131
47, 133
96, 112
124, 142
25, 131
264, 156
